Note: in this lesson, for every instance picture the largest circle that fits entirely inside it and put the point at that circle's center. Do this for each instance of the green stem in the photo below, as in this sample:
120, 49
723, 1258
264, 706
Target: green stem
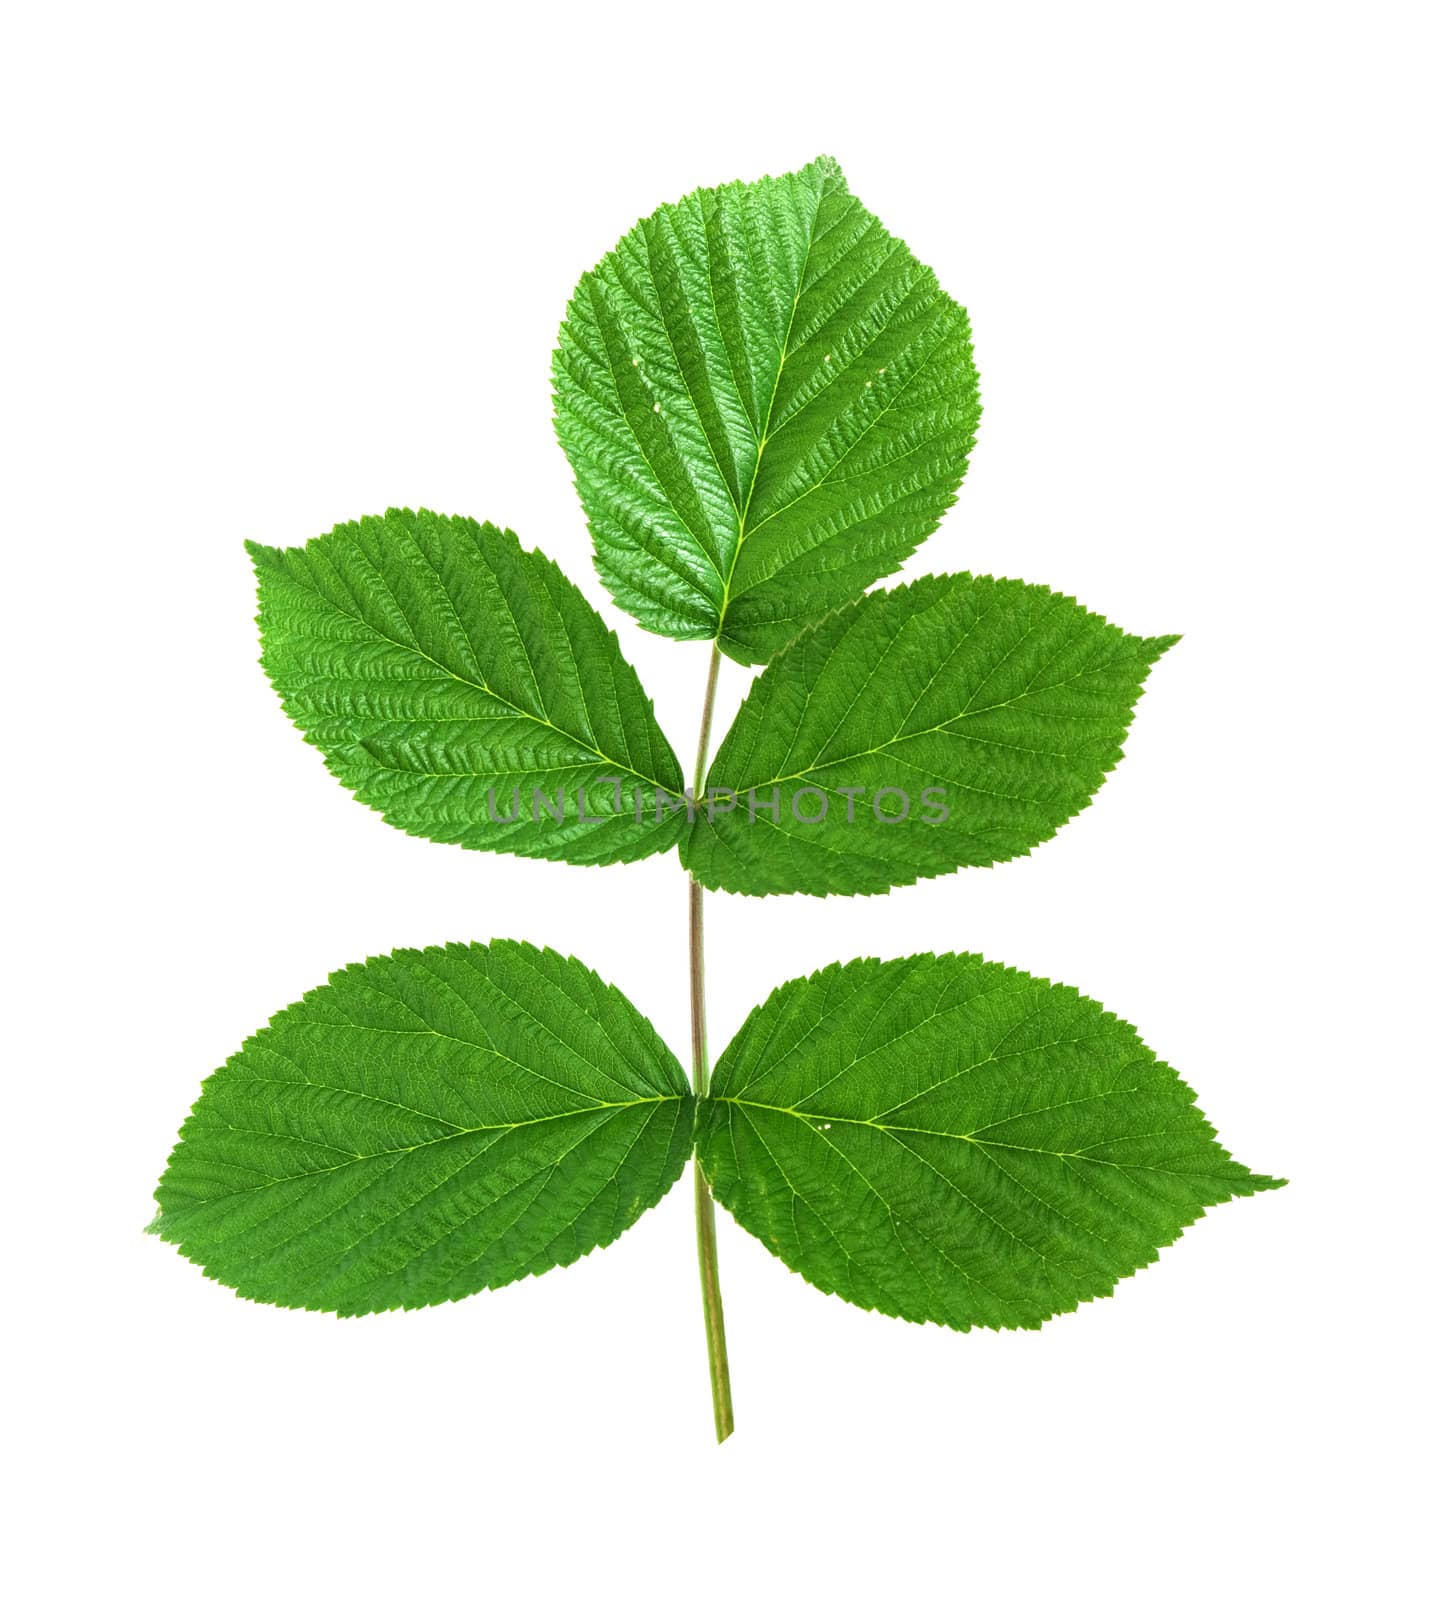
700, 1059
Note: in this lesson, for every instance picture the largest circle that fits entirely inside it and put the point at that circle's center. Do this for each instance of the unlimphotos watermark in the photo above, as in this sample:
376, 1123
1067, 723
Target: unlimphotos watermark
809, 806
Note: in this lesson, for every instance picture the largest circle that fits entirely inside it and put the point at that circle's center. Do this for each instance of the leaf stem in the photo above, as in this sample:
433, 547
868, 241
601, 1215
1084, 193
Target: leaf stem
700, 1070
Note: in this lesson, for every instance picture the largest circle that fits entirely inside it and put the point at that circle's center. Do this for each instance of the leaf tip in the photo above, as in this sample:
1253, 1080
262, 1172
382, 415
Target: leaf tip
1154, 649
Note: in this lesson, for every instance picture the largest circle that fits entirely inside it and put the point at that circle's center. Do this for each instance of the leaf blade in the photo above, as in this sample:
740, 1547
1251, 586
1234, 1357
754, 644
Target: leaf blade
768, 403
439, 667
344, 1160
999, 703
844, 1125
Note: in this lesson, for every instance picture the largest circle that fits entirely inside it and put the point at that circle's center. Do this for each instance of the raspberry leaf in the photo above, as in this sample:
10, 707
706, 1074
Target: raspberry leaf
955, 722
768, 403
424, 1125
447, 674
949, 1140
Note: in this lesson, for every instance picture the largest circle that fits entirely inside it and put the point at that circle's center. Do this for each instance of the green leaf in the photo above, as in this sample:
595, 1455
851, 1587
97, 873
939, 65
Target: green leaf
424, 1125
954, 722
949, 1140
767, 402
447, 675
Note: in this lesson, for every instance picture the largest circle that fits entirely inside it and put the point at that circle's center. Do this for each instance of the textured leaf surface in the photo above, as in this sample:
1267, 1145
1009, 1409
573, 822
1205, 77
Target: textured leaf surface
1009, 701
442, 669
767, 403
424, 1125
949, 1140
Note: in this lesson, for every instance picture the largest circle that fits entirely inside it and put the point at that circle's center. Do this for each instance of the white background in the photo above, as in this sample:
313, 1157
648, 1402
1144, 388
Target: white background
274, 268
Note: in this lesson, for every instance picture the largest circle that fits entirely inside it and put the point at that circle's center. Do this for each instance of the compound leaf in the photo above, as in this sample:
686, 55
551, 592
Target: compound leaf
949, 1140
424, 1125
767, 402
953, 722
447, 675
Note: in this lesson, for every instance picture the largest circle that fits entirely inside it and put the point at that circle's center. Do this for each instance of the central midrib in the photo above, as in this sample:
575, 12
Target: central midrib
741, 525
814, 1118
446, 1138
486, 689
918, 733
